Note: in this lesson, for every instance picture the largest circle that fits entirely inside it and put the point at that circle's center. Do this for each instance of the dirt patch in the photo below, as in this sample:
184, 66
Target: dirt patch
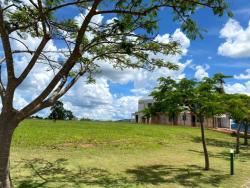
79, 145
92, 145
247, 185
228, 131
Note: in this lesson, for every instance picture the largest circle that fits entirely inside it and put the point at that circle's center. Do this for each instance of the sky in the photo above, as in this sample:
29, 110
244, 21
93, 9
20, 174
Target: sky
225, 49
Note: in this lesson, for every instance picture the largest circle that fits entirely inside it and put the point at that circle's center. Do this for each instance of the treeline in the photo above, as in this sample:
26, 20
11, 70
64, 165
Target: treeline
204, 99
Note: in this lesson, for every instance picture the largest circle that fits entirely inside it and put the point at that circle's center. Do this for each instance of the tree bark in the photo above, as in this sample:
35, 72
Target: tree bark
204, 145
213, 119
238, 139
6, 132
246, 135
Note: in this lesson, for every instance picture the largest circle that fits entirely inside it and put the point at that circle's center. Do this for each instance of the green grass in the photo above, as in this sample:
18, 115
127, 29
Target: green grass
120, 155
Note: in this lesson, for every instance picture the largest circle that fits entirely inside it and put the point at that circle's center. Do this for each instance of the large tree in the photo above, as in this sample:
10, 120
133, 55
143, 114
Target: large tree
127, 41
205, 103
201, 99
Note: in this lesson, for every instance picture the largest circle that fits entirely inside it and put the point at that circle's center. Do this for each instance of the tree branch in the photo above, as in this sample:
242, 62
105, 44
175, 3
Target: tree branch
20, 42
2, 89
7, 48
43, 18
68, 4
33, 60
76, 54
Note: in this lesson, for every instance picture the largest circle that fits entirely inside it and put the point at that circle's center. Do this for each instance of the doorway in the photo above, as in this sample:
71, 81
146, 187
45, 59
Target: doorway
193, 120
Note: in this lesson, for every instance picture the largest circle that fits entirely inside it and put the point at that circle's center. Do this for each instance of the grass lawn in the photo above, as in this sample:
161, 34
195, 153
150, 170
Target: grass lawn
69, 154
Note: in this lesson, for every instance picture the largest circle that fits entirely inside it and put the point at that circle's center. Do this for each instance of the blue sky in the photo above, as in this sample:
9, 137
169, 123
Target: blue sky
225, 48
204, 53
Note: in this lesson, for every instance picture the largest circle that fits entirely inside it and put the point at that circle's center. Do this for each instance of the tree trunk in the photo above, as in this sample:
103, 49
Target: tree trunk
213, 119
6, 132
238, 140
204, 145
246, 135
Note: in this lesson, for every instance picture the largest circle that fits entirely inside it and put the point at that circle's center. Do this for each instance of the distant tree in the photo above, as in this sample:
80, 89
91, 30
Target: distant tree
58, 112
85, 119
69, 115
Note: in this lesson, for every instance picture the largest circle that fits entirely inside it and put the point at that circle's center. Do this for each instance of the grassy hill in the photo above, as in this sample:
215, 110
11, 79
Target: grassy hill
120, 155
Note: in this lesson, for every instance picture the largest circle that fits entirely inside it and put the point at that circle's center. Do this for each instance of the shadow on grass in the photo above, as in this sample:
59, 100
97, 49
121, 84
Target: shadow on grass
243, 156
215, 142
191, 176
56, 174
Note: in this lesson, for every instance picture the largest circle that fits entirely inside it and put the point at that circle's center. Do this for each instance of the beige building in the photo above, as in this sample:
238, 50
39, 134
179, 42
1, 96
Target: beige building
185, 118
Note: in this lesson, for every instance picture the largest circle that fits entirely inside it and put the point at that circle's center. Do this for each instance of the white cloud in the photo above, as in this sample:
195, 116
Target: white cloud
115, 75
95, 21
201, 72
237, 42
95, 101
145, 81
243, 88
243, 76
177, 36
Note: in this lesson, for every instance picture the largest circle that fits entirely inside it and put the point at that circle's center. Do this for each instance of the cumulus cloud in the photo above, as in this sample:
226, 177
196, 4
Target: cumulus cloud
95, 21
145, 81
96, 101
177, 36
237, 38
243, 76
201, 72
243, 88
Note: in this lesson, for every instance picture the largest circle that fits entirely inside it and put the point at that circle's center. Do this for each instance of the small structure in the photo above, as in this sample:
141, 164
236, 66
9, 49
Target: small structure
185, 118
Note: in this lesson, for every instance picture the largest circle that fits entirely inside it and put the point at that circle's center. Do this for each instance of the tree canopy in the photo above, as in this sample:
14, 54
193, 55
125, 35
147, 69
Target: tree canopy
202, 99
58, 112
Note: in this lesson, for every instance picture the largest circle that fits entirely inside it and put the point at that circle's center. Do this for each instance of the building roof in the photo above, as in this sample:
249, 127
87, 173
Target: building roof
146, 99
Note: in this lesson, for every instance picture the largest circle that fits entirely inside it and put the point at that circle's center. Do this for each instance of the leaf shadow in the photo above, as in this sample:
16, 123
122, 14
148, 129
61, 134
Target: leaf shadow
46, 173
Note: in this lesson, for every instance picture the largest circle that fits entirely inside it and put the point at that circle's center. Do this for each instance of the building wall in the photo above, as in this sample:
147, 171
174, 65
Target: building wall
142, 104
222, 121
191, 120
216, 122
